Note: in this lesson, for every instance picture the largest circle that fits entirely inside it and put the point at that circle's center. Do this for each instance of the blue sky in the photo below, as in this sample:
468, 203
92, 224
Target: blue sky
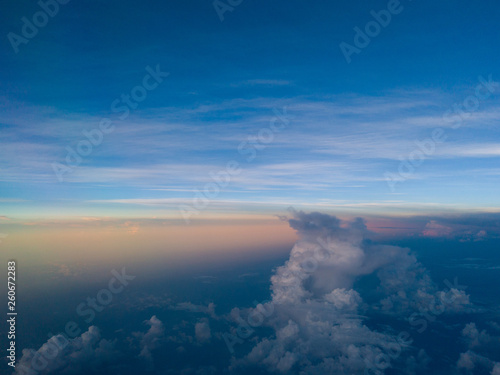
349, 124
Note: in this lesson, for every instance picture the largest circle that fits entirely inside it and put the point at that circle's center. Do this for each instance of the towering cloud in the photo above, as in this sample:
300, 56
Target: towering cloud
317, 303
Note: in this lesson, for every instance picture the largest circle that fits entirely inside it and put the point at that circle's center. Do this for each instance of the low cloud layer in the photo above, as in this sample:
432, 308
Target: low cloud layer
341, 303
60, 355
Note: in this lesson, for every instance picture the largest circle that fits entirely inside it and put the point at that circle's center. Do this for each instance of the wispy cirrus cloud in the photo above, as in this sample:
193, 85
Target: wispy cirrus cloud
334, 142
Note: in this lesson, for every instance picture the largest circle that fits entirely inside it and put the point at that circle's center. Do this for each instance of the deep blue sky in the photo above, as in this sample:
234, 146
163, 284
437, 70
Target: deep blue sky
92, 50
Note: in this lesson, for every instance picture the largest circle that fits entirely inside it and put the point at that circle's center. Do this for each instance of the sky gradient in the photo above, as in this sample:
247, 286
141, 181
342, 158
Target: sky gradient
325, 172
267, 88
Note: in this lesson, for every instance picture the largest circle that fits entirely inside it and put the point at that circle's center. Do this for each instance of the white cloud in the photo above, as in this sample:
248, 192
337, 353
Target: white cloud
474, 337
316, 318
202, 331
344, 299
68, 356
470, 361
496, 369
434, 229
152, 338
466, 361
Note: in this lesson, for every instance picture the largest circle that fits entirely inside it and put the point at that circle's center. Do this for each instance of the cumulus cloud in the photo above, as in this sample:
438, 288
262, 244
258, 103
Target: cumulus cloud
474, 236
68, 356
434, 229
344, 299
464, 227
466, 361
483, 344
202, 331
474, 337
470, 361
317, 321
152, 338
